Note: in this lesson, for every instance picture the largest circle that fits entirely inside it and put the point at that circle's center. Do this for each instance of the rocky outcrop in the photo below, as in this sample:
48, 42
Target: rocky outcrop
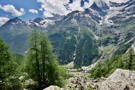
119, 80
53, 88
78, 83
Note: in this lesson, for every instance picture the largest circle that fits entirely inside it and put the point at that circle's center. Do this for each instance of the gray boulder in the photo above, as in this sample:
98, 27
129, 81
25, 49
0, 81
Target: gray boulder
119, 80
53, 88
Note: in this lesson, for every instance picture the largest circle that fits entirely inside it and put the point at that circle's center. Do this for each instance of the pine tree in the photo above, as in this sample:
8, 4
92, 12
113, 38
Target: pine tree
41, 63
130, 59
7, 65
97, 72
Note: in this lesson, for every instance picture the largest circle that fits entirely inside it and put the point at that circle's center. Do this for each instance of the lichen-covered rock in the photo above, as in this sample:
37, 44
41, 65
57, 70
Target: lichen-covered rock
119, 80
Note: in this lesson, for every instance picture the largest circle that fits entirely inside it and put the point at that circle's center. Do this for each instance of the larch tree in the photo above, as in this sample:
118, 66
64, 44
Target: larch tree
41, 63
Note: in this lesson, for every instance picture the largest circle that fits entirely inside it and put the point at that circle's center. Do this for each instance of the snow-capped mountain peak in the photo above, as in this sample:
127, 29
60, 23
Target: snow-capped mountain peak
44, 22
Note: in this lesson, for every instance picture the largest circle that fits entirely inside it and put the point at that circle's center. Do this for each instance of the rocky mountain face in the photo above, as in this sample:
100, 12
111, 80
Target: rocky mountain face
15, 32
100, 30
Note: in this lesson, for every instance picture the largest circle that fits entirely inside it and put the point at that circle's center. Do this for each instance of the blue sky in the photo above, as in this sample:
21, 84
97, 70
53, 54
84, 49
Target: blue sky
31, 9
26, 4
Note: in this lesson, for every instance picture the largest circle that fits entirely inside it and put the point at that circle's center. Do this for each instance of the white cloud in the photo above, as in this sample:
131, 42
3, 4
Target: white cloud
3, 20
47, 14
76, 6
33, 11
11, 9
54, 6
59, 6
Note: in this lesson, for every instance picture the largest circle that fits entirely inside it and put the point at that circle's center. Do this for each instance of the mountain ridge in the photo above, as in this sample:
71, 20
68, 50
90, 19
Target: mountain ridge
107, 25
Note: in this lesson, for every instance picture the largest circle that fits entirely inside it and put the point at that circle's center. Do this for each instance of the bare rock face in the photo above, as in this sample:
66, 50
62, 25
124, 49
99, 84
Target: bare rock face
119, 80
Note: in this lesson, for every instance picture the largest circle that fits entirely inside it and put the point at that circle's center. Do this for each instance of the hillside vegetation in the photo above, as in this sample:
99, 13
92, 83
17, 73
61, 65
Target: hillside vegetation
107, 67
39, 66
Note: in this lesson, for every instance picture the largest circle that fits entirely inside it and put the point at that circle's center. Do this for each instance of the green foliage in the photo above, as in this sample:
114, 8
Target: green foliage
11, 83
41, 64
7, 64
8, 80
18, 58
124, 61
89, 88
72, 89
